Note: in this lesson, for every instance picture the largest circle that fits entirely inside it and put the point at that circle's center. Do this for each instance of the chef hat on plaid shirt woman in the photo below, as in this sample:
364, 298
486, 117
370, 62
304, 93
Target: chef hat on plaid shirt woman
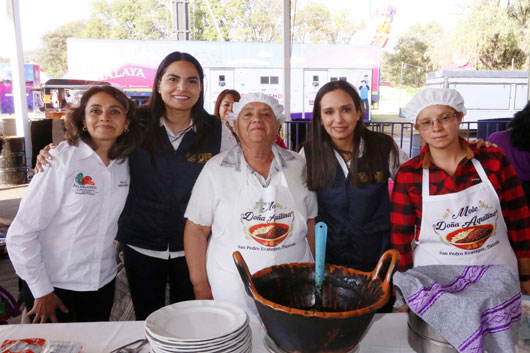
433, 96
272, 102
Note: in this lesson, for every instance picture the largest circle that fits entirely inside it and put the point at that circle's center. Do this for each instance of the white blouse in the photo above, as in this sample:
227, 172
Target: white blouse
65, 227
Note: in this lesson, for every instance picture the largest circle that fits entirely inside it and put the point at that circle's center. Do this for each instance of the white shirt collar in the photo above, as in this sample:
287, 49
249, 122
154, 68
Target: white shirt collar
232, 158
170, 133
87, 152
343, 164
176, 139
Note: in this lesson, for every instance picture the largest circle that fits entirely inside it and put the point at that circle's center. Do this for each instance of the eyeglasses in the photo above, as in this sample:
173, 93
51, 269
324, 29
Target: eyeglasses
442, 120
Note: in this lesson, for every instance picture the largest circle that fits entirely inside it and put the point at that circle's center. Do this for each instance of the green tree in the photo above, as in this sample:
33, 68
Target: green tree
260, 21
343, 29
491, 35
129, 19
412, 52
52, 54
519, 11
112, 19
201, 23
315, 23
312, 24
227, 13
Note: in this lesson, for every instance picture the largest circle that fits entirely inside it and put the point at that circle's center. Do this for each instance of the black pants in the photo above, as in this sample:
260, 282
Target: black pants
82, 306
148, 277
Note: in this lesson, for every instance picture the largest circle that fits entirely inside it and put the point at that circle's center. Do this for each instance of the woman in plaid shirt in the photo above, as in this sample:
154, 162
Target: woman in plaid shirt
475, 209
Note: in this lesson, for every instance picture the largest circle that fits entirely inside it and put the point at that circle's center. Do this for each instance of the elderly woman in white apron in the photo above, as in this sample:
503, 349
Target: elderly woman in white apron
461, 205
252, 199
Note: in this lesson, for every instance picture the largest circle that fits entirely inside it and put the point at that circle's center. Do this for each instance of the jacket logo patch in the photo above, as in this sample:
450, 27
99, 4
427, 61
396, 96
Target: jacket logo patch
84, 185
80, 179
379, 177
199, 158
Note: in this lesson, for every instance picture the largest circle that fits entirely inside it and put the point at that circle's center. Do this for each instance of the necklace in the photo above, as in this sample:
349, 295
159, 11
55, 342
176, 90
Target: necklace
180, 134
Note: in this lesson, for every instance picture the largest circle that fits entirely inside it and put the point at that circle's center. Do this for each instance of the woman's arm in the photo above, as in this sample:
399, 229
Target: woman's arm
195, 245
402, 221
39, 206
395, 161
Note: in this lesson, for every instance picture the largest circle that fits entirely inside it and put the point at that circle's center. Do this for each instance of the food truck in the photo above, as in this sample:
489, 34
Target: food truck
488, 94
57, 94
246, 67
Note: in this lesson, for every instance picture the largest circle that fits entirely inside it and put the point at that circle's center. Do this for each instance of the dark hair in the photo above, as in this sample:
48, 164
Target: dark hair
321, 165
124, 144
520, 126
235, 94
156, 108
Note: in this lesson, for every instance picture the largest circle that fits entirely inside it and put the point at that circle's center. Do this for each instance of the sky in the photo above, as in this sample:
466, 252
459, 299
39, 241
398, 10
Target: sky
40, 16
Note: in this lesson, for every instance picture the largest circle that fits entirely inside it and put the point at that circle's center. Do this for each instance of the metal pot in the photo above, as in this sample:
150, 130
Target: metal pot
425, 339
285, 298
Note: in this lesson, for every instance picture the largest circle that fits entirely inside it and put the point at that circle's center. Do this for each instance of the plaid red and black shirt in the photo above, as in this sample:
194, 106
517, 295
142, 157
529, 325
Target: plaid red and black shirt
406, 203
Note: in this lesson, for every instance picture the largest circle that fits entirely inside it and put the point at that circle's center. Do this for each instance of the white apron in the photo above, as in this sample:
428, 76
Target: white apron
463, 228
263, 224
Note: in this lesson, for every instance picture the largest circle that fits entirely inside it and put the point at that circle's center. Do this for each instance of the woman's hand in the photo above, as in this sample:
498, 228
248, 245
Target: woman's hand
480, 143
202, 291
43, 158
44, 308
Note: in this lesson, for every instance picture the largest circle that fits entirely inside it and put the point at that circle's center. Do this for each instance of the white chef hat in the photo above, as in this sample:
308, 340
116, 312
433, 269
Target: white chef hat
272, 102
433, 96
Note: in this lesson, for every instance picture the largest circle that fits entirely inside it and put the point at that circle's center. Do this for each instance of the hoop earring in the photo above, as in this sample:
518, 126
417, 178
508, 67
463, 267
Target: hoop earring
84, 128
126, 130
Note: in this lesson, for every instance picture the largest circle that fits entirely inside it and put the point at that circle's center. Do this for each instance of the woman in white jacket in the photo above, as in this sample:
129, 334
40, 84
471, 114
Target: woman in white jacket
61, 241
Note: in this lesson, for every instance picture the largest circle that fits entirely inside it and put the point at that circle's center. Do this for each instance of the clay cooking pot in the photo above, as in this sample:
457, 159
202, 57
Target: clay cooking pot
285, 298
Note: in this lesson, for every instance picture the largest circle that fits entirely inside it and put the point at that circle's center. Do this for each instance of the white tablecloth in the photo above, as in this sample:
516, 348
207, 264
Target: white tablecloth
387, 333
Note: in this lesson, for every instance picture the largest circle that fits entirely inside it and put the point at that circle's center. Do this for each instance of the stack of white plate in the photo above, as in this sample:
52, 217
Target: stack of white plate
199, 326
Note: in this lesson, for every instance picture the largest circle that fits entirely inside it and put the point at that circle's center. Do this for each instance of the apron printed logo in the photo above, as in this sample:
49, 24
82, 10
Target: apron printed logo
84, 185
469, 228
470, 238
269, 234
268, 223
